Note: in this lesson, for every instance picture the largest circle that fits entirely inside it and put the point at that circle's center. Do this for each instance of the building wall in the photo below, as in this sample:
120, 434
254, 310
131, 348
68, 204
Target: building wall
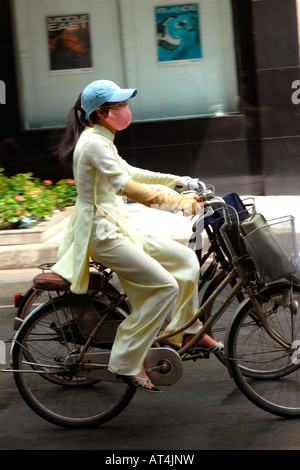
255, 151
277, 68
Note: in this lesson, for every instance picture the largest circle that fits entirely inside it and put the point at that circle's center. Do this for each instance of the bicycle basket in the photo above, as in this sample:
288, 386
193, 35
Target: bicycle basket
272, 246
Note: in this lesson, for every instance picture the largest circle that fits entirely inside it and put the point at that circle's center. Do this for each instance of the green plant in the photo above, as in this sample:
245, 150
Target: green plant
23, 195
65, 192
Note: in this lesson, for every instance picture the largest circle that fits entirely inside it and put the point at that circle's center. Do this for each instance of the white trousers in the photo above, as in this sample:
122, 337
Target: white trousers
158, 281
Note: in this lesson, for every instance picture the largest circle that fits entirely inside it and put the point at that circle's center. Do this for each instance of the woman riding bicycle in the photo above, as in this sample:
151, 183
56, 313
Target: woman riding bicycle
158, 274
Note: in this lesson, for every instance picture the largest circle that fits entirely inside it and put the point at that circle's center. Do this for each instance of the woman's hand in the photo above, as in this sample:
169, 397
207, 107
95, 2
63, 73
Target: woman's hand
182, 183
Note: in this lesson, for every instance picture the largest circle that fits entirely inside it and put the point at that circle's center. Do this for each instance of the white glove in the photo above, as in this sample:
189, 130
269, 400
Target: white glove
182, 183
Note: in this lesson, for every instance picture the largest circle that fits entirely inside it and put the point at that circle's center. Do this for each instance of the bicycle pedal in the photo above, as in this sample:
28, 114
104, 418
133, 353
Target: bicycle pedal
199, 352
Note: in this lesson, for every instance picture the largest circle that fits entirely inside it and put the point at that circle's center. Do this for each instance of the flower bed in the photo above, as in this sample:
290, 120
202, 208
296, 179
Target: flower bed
25, 200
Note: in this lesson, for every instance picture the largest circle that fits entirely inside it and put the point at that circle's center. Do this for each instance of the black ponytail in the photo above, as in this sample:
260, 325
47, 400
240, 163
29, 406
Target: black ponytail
74, 126
76, 123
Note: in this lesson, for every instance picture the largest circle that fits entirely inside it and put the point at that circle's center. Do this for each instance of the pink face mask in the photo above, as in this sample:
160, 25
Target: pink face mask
119, 119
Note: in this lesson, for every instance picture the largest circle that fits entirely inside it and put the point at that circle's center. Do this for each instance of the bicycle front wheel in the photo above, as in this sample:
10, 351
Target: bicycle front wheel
273, 379
45, 348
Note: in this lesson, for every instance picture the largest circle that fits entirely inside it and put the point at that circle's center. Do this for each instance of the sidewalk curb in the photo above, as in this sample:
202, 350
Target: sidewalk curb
27, 256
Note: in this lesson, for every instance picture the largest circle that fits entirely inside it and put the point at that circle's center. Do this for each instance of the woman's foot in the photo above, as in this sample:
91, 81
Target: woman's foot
142, 381
206, 342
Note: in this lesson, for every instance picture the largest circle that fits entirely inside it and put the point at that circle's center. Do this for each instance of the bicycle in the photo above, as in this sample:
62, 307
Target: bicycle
70, 337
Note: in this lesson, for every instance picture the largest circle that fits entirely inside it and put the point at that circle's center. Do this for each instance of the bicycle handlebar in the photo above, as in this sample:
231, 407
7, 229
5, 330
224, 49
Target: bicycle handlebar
207, 193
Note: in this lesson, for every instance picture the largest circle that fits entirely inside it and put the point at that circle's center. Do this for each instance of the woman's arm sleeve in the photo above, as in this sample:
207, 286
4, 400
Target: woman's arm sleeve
102, 157
188, 203
150, 177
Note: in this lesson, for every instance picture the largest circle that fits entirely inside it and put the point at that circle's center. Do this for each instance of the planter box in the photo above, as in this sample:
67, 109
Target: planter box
39, 233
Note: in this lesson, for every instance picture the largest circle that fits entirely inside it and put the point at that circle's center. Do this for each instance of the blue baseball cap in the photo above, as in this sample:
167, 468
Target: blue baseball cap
102, 91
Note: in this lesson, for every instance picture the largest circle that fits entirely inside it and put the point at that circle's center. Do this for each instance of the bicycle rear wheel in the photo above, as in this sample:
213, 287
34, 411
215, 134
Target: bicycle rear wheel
46, 347
272, 381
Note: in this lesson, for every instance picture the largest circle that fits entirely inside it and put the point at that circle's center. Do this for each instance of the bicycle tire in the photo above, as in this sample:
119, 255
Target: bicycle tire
49, 337
248, 343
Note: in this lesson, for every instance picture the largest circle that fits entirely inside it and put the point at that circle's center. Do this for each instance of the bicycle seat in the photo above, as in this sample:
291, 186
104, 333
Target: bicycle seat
53, 282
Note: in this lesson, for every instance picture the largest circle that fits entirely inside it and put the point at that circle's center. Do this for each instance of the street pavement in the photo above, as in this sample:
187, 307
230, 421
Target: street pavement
204, 410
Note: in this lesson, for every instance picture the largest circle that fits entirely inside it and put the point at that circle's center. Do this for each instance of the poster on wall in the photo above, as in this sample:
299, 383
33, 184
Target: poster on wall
69, 43
178, 34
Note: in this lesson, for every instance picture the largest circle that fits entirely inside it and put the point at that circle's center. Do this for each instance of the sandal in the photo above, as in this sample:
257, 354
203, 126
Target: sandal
140, 382
219, 347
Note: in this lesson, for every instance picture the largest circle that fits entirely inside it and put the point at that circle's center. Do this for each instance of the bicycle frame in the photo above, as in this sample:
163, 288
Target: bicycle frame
163, 339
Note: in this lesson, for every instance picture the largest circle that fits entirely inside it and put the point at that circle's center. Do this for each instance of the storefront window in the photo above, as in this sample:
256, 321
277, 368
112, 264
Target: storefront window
179, 54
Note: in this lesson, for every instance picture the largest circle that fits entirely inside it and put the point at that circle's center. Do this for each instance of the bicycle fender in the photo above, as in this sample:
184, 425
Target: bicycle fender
246, 304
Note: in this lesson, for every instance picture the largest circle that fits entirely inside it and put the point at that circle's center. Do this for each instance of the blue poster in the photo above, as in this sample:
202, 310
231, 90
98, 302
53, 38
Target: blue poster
178, 34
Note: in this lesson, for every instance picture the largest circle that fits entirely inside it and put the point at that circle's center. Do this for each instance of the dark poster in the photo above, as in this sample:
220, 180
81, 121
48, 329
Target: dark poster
69, 43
